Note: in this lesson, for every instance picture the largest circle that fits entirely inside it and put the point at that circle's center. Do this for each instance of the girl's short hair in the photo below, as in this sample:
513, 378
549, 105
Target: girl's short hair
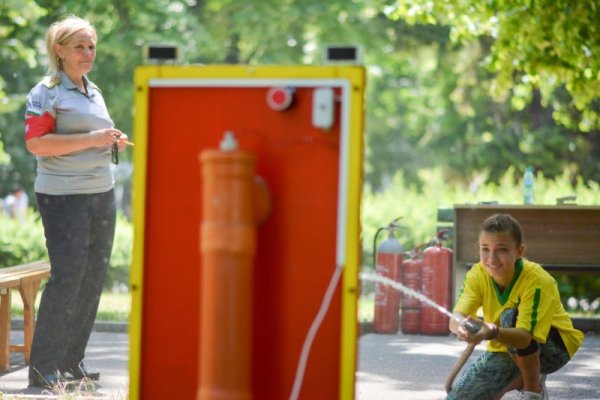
59, 33
503, 223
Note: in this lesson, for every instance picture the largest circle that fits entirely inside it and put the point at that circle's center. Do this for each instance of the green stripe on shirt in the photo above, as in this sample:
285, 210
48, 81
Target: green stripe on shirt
534, 311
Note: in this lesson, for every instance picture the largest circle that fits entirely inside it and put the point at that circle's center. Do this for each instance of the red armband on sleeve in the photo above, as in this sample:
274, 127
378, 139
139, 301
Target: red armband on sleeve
38, 125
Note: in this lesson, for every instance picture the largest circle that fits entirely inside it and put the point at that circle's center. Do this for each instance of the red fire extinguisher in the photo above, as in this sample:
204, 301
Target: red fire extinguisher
411, 277
387, 299
437, 285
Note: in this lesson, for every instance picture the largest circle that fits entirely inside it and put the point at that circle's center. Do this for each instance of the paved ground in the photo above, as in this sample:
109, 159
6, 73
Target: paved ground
107, 352
395, 367
415, 367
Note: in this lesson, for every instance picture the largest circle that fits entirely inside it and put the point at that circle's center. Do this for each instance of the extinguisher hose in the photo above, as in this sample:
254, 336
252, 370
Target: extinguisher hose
392, 226
379, 230
458, 366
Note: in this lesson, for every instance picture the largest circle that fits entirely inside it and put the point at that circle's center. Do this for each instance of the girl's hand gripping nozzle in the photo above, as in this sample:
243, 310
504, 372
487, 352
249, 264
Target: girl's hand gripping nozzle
471, 326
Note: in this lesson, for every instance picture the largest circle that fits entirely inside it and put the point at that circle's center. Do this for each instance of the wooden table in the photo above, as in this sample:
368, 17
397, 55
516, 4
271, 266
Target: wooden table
561, 238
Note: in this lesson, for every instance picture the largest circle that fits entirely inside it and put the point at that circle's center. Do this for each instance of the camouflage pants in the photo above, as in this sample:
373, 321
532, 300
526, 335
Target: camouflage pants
491, 372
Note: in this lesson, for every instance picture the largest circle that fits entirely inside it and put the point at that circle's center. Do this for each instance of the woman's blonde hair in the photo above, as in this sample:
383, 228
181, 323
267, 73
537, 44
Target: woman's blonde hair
59, 33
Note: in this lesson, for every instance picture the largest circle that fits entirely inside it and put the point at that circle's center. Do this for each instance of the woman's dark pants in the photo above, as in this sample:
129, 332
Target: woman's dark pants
79, 232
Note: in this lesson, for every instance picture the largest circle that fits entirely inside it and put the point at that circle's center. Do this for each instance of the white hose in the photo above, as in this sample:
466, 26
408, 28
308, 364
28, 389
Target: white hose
312, 332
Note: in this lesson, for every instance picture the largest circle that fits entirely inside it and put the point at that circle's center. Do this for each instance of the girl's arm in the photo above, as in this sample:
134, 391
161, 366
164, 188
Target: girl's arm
514, 337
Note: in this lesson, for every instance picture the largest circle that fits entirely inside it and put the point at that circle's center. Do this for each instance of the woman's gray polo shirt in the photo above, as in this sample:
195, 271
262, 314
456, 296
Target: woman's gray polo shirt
81, 172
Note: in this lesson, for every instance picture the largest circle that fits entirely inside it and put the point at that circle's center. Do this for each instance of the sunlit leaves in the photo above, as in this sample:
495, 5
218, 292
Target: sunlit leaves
468, 85
556, 42
16, 20
418, 206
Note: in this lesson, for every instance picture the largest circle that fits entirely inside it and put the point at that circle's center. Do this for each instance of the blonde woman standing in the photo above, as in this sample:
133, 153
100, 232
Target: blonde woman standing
69, 130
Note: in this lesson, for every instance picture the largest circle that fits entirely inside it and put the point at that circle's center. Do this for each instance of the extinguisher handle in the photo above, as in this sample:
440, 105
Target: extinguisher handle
417, 250
471, 326
443, 234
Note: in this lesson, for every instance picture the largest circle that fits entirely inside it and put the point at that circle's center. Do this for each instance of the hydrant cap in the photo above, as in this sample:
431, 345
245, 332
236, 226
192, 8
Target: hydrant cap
229, 143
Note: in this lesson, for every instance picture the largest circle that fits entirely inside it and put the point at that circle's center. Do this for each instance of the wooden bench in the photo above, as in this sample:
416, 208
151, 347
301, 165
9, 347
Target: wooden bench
562, 238
27, 279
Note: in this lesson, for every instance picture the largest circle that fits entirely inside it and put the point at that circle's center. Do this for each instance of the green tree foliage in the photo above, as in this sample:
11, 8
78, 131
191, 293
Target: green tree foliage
429, 101
474, 102
475, 135
17, 54
545, 44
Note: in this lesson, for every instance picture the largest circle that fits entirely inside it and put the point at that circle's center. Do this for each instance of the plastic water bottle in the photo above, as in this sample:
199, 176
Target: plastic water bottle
528, 182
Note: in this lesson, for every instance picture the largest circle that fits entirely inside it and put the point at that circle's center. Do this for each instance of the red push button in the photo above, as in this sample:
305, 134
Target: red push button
280, 98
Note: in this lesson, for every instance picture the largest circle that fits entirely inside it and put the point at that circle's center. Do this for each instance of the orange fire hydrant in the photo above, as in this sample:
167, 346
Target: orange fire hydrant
234, 202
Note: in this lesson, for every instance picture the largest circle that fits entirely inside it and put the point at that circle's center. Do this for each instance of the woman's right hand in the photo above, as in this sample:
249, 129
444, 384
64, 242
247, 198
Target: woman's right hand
104, 137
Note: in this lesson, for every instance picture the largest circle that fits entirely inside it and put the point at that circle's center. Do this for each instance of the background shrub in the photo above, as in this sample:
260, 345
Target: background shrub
418, 209
118, 273
23, 241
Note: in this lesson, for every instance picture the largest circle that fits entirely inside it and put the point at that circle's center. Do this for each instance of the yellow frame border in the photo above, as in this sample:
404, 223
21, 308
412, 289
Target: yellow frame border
355, 75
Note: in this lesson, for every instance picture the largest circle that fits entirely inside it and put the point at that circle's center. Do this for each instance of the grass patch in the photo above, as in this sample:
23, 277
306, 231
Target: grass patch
113, 306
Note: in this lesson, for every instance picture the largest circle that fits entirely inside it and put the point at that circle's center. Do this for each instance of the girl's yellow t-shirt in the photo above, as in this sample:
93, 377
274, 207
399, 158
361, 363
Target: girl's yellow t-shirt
533, 291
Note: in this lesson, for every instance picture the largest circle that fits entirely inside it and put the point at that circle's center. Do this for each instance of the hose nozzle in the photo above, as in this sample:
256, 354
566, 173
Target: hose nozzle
471, 326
